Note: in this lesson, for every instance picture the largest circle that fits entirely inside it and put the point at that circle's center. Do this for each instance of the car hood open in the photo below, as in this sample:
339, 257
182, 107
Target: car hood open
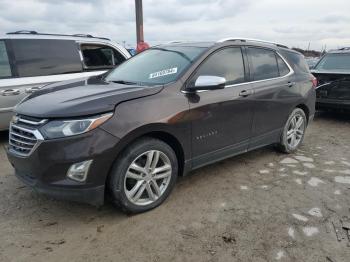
333, 85
80, 97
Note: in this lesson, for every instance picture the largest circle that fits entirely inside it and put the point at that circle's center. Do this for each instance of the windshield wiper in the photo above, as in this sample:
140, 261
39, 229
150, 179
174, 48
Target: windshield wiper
123, 82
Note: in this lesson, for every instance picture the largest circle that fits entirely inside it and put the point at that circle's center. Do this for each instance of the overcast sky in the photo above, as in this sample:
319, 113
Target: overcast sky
292, 22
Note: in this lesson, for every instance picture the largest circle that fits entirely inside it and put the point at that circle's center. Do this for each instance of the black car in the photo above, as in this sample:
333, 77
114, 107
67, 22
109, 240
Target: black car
159, 115
333, 76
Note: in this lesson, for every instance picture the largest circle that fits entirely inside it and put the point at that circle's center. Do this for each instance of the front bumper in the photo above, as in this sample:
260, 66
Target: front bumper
92, 195
45, 168
332, 104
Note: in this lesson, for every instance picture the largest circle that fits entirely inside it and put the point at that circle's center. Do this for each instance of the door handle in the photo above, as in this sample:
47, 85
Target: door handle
246, 93
291, 84
10, 92
33, 89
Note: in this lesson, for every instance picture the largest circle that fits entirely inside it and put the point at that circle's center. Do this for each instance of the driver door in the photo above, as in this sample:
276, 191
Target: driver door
222, 119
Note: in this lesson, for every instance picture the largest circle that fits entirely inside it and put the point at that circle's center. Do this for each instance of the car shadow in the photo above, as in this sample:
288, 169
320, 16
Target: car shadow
329, 115
4, 136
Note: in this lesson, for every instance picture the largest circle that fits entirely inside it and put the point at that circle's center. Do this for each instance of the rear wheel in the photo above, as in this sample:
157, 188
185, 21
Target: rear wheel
294, 131
143, 176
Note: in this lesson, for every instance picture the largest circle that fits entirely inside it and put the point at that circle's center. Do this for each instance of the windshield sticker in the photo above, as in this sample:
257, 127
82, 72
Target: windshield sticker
164, 72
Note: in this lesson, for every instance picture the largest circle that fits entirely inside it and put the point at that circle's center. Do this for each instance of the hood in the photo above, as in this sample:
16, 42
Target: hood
80, 97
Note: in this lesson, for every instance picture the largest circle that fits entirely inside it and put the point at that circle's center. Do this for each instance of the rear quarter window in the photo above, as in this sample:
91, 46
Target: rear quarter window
282, 66
40, 57
296, 61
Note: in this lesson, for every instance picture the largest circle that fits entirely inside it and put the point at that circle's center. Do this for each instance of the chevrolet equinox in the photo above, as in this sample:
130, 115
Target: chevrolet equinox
170, 109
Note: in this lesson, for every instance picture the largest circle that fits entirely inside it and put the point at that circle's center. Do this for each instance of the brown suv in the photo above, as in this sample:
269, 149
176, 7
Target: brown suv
159, 115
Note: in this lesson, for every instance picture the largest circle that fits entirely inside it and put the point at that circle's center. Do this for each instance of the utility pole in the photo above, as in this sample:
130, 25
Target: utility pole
139, 21
141, 44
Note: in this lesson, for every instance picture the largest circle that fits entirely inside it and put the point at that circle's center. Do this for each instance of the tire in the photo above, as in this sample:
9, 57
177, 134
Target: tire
286, 144
129, 175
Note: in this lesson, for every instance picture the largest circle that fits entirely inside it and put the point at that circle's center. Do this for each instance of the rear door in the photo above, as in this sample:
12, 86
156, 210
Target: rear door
221, 119
274, 94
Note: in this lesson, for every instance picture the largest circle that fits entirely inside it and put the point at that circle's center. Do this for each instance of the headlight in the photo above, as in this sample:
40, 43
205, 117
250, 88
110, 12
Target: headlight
64, 128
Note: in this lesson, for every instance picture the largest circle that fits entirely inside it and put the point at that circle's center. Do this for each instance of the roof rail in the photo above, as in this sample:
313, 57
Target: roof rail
28, 32
250, 39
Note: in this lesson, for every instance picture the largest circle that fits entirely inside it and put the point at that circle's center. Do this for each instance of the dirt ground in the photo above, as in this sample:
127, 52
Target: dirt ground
261, 206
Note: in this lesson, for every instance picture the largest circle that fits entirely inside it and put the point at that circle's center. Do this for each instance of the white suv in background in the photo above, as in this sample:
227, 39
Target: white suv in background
30, 60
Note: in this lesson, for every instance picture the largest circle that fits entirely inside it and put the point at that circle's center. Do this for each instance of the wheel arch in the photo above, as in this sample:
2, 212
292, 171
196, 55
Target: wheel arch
305, 109
157, 131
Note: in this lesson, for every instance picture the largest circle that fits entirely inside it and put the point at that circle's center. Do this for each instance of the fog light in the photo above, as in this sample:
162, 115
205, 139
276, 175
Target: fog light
79, 171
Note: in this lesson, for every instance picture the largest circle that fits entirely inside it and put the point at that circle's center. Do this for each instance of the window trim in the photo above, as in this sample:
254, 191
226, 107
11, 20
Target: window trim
291, 71
86, 68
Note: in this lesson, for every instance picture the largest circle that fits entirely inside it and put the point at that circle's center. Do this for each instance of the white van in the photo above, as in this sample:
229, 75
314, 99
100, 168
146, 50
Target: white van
30, 60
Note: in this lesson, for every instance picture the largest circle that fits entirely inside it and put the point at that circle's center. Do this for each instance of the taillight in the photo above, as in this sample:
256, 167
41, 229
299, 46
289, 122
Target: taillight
314, 82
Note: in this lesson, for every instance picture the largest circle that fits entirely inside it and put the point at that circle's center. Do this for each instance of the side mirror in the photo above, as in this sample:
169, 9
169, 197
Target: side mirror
209, 83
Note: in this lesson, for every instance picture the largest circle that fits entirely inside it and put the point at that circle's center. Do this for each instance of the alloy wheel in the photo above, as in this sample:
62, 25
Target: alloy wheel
295, 131
147, 178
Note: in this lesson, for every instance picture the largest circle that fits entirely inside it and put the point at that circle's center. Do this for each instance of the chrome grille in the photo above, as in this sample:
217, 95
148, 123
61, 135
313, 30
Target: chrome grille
23, 135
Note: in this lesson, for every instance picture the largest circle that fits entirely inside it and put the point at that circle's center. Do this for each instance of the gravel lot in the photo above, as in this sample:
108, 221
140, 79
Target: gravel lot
261, 206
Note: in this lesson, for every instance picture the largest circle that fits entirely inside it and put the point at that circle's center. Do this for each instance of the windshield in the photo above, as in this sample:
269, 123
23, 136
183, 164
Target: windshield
340, 62
155, 66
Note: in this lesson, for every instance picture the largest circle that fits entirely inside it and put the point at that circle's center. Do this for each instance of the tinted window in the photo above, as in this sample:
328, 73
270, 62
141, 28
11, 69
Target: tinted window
46, 57
100, 56
296, 61
264, 63
159, 65
5, 69
226, 63
334, 62
282, 67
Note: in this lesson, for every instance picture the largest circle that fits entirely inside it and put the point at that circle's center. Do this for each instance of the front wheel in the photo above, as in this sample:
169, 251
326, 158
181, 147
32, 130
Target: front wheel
294, 131
143, 176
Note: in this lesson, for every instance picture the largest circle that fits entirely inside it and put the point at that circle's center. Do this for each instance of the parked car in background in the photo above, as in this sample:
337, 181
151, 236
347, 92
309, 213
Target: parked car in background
333, 76
170, 109
132, 51
311, 61
31, 60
